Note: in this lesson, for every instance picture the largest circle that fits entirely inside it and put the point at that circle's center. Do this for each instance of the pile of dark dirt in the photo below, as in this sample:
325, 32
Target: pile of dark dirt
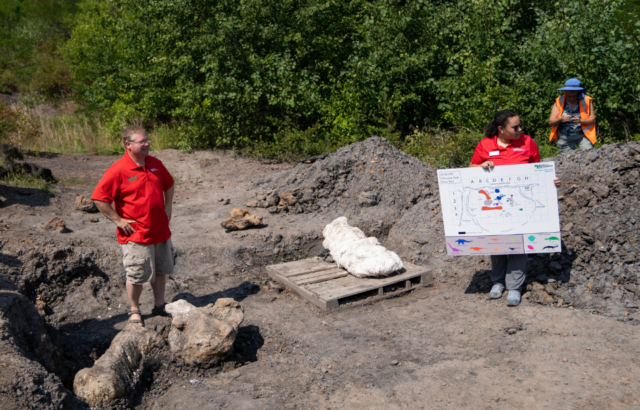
371, 182
30, 364
598, 267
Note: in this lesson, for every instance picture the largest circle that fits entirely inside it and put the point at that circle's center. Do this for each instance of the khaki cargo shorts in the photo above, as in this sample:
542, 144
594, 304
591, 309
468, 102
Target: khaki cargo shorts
142, 262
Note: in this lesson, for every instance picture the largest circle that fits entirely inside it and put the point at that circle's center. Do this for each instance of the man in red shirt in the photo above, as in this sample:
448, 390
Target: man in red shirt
141, 191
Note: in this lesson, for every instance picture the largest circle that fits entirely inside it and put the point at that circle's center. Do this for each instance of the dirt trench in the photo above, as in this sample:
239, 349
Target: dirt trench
444, 347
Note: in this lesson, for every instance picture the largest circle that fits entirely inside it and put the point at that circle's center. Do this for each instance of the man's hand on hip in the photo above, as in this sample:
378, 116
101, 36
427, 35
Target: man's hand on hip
107, 210
124, 225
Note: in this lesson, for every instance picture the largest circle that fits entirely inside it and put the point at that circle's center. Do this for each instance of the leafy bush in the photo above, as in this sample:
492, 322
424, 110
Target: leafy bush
31, 34
289, 78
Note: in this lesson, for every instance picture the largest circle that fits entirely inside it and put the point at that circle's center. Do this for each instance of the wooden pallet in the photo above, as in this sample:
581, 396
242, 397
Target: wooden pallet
328, 287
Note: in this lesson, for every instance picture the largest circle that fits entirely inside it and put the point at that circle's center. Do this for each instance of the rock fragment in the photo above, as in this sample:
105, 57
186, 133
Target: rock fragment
241, 219
56, 224
84, 204
202, 336
112, 372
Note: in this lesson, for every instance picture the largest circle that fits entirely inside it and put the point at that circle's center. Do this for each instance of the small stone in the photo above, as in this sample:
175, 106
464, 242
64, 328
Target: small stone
227, 202
55, 224
394, 363
512, 331
94, 219
273, 210
241, 219
288, 198
85, 204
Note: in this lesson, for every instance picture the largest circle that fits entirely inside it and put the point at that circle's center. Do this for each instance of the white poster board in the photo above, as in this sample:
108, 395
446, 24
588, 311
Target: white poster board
512, 209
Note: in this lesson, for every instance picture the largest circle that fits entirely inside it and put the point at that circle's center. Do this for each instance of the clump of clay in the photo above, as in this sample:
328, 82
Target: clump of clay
240, 219
359, 255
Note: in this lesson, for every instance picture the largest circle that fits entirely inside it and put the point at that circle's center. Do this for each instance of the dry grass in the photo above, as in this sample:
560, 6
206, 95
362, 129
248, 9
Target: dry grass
63, 130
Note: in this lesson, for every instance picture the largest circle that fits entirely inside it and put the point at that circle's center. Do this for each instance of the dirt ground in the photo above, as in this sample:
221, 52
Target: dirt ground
434, 348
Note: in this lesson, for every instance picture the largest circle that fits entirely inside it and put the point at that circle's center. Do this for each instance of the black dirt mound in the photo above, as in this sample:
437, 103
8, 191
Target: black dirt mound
371, 181
598, 269
28, 358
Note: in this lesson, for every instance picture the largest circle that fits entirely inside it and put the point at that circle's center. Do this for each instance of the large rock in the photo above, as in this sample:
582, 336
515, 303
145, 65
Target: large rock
85, 204
361, 256
202, 336
241, 219
38, 171
112, 372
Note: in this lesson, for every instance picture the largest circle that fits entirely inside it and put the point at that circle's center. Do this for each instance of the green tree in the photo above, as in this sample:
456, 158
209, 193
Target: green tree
314, 75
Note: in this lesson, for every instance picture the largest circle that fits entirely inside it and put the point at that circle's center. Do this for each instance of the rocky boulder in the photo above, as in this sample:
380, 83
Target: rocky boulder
202, 336
109, 377
241, 219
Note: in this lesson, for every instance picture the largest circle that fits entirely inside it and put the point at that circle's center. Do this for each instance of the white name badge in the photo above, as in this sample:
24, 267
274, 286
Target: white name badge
494, 153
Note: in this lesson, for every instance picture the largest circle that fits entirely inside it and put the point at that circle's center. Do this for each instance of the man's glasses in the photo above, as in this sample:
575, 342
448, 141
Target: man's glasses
145, 142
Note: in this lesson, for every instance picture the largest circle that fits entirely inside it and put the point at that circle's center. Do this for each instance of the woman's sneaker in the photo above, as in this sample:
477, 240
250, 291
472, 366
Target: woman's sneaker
496, 291
514, 298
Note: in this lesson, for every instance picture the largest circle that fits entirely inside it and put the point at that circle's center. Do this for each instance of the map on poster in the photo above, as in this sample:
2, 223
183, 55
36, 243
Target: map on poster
511, 209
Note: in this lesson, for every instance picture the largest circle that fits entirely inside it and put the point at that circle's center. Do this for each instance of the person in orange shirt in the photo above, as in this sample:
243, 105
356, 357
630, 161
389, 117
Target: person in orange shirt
141, 191
572, 119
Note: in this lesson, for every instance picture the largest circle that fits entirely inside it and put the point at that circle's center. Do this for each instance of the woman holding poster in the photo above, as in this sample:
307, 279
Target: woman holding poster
504, 144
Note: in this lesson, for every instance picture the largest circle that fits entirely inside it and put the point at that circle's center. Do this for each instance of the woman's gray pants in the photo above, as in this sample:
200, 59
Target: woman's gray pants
565, 145
510, 270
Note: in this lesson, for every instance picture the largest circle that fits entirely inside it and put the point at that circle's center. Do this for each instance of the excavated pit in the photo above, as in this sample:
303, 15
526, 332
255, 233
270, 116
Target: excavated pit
72, 285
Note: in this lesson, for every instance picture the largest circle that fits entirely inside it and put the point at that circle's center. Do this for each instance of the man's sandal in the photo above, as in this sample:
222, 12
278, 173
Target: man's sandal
160, 311
136, 312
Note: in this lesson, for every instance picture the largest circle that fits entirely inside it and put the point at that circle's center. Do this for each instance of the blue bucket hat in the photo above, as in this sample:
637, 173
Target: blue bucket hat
572, 84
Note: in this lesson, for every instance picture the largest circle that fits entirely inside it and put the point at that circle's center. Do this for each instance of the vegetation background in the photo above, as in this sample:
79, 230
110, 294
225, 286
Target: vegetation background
285, 79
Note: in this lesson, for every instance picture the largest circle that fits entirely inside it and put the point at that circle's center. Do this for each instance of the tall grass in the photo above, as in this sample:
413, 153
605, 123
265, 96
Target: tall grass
44, 129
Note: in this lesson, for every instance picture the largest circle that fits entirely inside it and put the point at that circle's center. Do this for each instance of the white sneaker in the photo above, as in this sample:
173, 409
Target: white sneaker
514, 298
496, 291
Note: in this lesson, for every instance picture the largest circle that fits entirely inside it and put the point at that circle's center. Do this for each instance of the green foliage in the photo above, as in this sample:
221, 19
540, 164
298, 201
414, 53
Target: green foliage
291, 78
31, 33
441, 149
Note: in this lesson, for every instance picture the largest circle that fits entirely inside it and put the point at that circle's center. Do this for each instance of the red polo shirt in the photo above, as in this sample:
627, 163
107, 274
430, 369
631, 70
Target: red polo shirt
521, 151
138, 194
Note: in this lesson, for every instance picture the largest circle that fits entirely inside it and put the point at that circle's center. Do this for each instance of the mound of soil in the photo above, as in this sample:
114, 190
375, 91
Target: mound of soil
598, 267
371, 182
29, 360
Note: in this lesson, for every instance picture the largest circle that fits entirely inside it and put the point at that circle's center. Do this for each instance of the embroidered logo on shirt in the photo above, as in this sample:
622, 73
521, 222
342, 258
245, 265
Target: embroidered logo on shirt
518, 149
154, 169
133, 178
